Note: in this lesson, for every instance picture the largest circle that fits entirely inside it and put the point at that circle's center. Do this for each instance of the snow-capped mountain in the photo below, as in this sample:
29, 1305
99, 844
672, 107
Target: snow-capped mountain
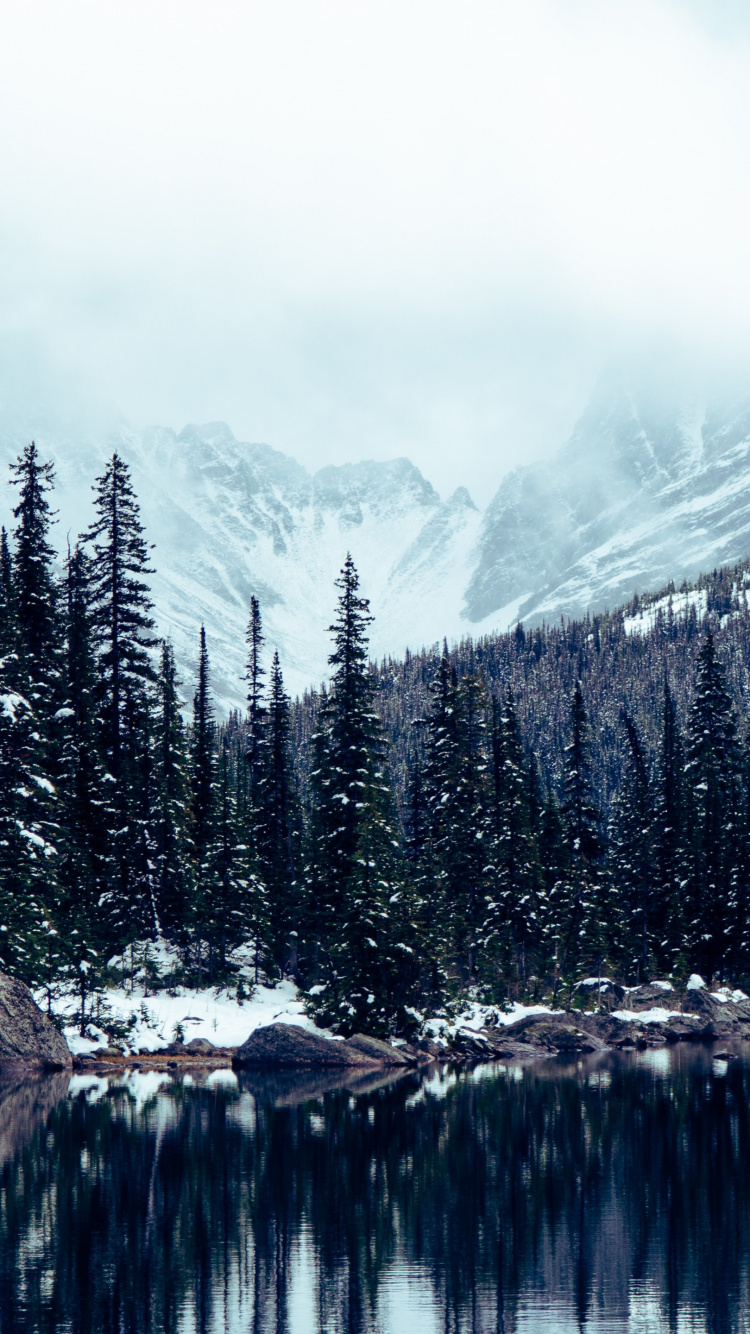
229, 519
644, 491
648, 488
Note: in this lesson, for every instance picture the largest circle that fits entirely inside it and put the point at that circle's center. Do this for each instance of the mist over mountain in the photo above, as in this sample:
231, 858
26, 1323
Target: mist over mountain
651, 486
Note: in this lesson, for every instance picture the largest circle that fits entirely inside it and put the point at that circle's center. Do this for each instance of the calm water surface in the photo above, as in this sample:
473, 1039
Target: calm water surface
610, 1195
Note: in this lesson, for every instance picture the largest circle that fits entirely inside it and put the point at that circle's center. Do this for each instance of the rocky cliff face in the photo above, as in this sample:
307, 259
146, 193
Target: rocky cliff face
27, 1036
643, 492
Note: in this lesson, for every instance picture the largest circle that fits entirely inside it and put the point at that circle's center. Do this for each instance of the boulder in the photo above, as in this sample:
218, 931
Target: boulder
280, 1045
553, 1033
27, 1035
651, 997
200, 1047
685, 1028
382, 1052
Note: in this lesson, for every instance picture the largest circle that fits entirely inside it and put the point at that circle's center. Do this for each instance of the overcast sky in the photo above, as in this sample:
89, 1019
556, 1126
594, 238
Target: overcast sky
363, 229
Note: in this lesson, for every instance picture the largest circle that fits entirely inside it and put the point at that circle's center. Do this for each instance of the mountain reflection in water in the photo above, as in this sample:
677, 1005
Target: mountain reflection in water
611, 1195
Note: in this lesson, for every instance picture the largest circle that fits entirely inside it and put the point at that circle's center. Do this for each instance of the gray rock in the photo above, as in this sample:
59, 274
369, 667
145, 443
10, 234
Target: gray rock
685, 1028
26, 1034
199, 1047
279, 1045
651, 997
382, 1052
553, 1032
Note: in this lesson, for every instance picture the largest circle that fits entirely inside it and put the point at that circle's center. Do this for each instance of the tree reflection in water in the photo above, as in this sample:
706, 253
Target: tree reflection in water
615, 1193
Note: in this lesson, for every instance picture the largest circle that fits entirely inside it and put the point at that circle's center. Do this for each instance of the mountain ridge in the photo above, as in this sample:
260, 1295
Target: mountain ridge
649, 487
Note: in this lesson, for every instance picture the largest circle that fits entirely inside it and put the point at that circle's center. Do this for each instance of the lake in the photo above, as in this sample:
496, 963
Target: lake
611, 1194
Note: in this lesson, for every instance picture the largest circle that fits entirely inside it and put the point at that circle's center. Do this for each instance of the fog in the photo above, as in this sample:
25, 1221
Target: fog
361, 230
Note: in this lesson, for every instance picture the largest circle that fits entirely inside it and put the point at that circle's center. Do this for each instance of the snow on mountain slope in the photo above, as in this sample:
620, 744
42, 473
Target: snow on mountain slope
645, 490
649, 487
229, 519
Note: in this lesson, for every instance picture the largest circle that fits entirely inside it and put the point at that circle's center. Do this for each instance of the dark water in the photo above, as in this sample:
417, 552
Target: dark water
612, 1195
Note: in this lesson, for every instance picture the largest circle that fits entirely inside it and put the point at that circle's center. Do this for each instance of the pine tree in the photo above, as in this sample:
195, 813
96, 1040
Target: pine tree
512, 905
8, 618
429, 920
469, 826
171, 815
582, 905
441, 886
716, 911
83, 843
234, 900
203, 798
120, 607
554, 858
360, 906
34, 590
123, 640
670, 837
30, 682
276, 823
634, 862
256, 711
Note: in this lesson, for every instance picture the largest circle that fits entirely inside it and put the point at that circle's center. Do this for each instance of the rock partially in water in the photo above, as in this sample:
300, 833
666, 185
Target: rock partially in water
27, 1036
382, 1052
553, 1033
279, 1045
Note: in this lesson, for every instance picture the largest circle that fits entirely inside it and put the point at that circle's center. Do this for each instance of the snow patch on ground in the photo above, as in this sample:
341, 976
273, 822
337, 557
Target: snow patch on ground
657, 1015
153, 1021
477, 1016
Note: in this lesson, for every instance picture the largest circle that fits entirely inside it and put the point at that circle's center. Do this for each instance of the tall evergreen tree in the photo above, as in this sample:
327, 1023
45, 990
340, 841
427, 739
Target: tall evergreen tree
634, 863
120, 606
670, 837
276, 824
203, 798
716, 898
123, 639
361, 910
83, 845
34, 589
8, 617
256, 710
512, 905
171, 816
581, 906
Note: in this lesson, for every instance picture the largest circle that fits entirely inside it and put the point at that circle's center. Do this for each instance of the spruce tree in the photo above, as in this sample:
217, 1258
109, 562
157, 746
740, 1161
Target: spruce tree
203, 801
123, 639
360, 904
512, 904
441, 887
120, 607
82, 868
423, 874
171, 815
634, 863
670, 838
256, 711
276, 823
34, 589
234, 902
715, 896
469, 827
8, 619
581, 905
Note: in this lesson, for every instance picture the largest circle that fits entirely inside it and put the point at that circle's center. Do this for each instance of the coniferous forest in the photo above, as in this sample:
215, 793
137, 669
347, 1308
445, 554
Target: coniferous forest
502, 818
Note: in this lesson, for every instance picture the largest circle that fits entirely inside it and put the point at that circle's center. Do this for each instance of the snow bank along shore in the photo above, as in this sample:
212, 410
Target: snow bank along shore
129, 1021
